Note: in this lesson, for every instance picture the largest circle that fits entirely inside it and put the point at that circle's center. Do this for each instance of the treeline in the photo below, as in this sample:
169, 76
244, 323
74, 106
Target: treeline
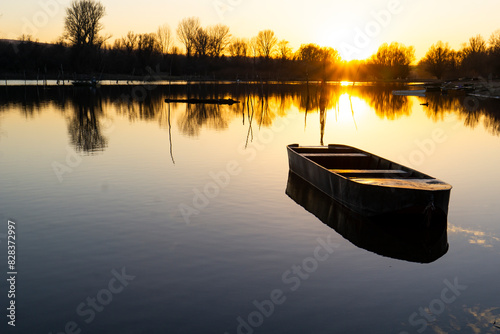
213, 53
141, 55
476, 58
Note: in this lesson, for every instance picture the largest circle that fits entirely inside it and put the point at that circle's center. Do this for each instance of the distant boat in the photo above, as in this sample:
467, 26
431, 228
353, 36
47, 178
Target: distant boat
403, 237
366, 183
86, 83
203, 101
485, 96
458, 88
410, 92
432, 88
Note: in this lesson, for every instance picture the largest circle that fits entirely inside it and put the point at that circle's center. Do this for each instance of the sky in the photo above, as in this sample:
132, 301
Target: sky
356, 28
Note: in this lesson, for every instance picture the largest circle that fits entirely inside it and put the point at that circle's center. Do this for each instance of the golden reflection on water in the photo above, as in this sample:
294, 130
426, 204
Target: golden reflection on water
343, 105
345, 112
475, 237
477, 320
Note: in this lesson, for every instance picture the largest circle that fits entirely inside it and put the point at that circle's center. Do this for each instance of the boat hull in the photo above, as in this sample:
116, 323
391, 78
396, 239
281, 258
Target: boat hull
362, 195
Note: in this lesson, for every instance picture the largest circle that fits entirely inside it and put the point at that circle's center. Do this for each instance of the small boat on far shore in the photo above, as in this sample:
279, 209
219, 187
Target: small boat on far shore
86, 83
366, 183
410, 92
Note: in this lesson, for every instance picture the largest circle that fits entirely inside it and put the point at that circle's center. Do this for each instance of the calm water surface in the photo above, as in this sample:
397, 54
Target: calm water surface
135, 216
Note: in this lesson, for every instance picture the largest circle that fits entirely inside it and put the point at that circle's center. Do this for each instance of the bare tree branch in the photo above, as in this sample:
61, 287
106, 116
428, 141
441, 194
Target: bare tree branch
83, 23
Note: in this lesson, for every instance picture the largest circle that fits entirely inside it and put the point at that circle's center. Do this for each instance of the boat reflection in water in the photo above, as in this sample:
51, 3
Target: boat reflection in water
407, 237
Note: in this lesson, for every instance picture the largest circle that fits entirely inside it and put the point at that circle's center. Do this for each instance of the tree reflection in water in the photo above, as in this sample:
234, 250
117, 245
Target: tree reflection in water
260, 105
83, 124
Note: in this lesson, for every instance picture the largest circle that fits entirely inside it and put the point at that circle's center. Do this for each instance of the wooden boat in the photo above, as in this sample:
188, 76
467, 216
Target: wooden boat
203, 101
406, 237
366, 183
410, 92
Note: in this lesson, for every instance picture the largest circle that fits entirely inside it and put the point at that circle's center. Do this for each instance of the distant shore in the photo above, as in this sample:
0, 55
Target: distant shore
193, 78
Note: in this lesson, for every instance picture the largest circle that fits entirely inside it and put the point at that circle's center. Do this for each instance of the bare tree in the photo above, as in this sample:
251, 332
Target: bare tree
284, 50
475, 55
130, 41
330, 55
309, 53
148, 43
439, 59
201, 42
393, 61
494, 52
495, 42
82, 24
219, 39
477, 45
238, 48
118, 44
266, 43
254, 47
165, 39
186, 33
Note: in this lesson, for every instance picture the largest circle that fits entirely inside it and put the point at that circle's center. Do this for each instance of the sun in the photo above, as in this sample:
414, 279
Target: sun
343, 42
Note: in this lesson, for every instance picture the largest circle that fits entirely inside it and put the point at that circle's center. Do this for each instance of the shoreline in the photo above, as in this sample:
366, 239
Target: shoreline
187, 79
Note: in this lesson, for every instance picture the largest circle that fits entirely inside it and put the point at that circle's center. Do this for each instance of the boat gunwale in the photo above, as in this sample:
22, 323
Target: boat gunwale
291, 147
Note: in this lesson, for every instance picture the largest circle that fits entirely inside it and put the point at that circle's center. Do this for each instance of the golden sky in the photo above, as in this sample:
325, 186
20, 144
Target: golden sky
356, 27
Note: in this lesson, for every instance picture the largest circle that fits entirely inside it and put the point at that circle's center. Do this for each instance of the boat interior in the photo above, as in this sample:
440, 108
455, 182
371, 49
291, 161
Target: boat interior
367, 168
353, 163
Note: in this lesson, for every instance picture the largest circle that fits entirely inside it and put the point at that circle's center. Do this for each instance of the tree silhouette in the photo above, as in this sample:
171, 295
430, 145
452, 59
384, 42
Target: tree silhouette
495, 42
393, 61
187, 33
238, 48
494, 51
266, 43
83, 23
475, 55
148, 44
438, 59
219, 39
284, 50
164, 38
309, 53
201, 42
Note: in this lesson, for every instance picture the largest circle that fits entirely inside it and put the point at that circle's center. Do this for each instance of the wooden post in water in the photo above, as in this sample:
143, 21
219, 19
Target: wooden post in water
62, 72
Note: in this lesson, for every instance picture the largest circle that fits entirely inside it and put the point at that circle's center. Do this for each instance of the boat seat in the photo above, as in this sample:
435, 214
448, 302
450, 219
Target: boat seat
349, 155
368, 171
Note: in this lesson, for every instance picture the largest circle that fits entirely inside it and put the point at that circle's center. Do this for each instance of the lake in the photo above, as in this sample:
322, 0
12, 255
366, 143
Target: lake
137, 216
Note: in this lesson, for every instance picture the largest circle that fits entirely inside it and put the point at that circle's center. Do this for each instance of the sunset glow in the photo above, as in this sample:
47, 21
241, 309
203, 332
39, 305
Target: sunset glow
355, 29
